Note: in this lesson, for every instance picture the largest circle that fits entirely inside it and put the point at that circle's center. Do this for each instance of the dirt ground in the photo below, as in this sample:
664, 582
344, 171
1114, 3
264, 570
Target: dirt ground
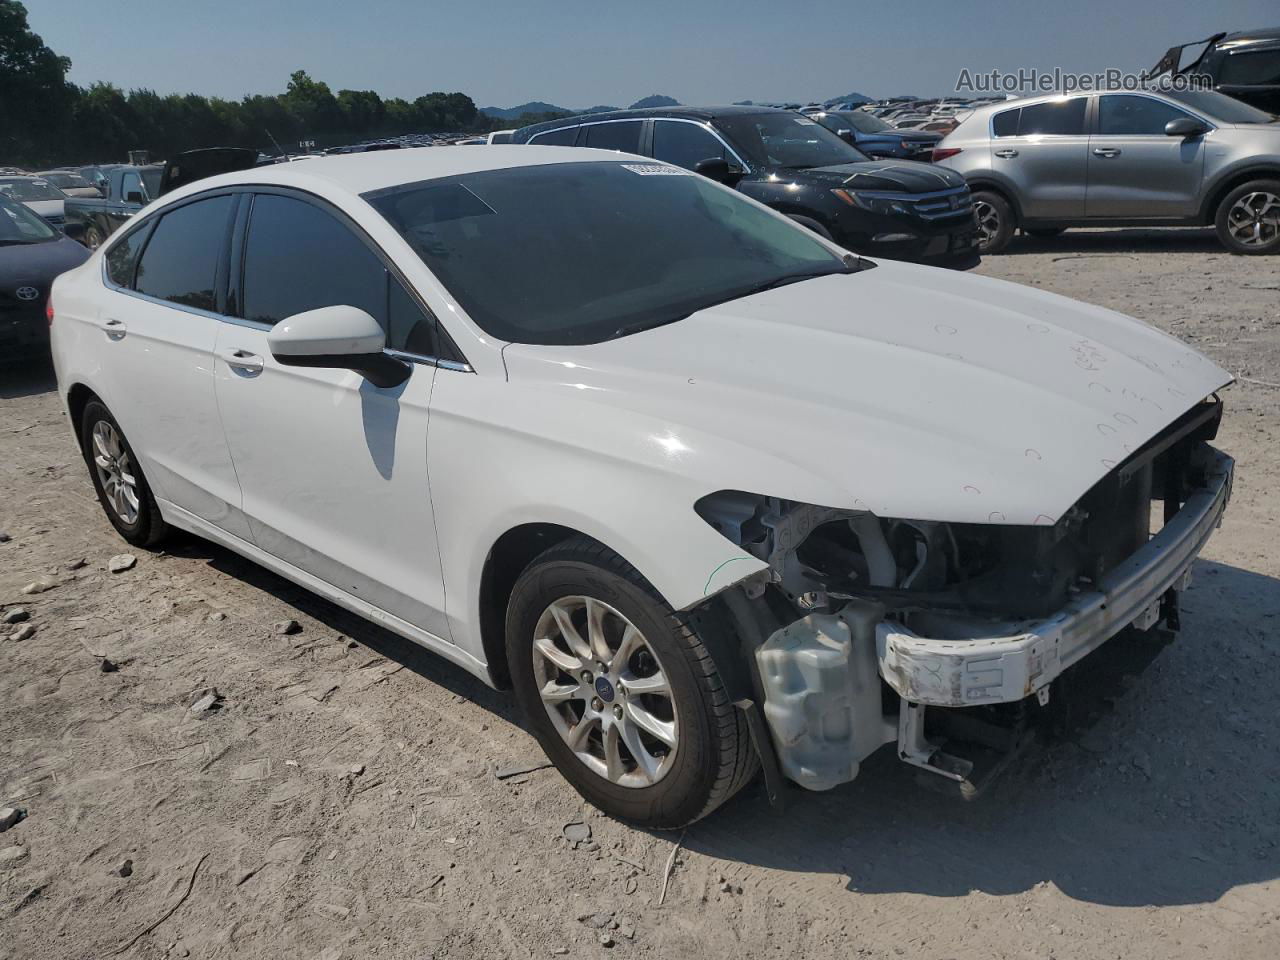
342, 802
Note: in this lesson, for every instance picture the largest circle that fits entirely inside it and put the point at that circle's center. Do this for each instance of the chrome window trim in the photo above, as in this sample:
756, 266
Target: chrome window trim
422, 358
707, 126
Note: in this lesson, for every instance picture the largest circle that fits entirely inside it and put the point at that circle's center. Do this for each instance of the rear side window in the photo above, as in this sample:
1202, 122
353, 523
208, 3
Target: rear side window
180, 262
1259, 67
1123, 115
1062, 118
563, 137
623, 135
1005, 124
299, 257
123, 257
685, 144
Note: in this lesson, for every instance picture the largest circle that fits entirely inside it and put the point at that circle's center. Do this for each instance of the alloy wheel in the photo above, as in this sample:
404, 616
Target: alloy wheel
605, 691
115, 472
1254, 219
988, 218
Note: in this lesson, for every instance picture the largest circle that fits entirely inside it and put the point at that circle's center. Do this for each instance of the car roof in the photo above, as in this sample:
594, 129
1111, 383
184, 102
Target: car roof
1244, 37
643, 113
362, 172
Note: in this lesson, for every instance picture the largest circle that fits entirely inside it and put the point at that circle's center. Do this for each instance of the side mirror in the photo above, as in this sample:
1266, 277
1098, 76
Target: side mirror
133, 196
337, 338
1185, 127
718, 169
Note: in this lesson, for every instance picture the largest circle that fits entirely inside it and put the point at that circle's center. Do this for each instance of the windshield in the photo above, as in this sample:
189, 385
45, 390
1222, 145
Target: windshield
29, 188
573, 253
787, 140
66, 181
1220, 107
20, 225
864, 122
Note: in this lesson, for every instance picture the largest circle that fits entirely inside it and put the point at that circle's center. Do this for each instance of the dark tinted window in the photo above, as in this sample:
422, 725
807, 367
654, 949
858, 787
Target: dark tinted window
1219, 106
1054, 118
299, 257
622, 135
1005, 124
180, 262
1120, 115
563, 137
684, 144
1262, 66
584, 252
122, 257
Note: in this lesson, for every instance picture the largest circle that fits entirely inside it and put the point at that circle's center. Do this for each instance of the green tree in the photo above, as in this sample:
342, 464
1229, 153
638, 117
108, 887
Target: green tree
36, 101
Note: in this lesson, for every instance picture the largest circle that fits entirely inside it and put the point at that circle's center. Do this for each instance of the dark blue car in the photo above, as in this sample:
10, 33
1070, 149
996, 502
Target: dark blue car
32, 254
876, 138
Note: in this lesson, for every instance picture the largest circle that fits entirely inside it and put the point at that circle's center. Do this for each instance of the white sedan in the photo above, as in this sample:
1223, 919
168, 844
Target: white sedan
706, 491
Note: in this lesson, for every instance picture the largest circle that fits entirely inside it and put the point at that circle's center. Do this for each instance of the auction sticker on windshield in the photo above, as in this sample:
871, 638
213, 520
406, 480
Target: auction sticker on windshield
656, 170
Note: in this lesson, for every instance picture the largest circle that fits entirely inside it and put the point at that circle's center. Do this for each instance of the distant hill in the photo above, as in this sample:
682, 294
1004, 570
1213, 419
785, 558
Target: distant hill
850, 98
657, 100
533, 106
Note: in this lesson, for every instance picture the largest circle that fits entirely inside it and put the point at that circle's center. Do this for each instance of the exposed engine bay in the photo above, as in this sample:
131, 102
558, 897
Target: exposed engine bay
918, 613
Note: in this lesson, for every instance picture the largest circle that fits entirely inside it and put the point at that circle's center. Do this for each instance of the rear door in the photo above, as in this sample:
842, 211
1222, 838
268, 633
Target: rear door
159, 322
334, 469
1135, 170
1042, 149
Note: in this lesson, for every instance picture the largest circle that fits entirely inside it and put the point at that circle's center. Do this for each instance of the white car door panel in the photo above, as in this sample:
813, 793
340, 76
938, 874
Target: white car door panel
333, 469
151, 339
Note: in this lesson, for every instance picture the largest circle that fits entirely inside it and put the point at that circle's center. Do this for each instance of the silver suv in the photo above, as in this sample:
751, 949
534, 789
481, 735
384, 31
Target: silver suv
1137, 158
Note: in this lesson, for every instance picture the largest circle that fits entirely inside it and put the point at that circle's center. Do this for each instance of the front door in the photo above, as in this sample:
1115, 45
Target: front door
159, 325
1042, 149
334, 469
1135, 170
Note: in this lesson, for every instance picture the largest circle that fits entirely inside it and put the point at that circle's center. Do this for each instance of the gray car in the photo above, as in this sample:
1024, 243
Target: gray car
1120, 159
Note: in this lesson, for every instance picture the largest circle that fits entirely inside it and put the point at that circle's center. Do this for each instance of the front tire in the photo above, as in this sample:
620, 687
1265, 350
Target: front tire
996, 221
620, 691
122, 489
1248, 218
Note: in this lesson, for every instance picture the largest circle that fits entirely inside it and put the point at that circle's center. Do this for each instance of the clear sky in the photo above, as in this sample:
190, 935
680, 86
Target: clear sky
575, 53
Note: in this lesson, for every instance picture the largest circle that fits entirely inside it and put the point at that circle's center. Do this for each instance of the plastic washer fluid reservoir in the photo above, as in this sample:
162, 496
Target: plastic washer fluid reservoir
822, 694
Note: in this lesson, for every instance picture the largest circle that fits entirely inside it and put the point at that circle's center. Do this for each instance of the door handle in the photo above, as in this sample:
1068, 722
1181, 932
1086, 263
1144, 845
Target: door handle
1007, 153
1106, 152
244, 361
115, 329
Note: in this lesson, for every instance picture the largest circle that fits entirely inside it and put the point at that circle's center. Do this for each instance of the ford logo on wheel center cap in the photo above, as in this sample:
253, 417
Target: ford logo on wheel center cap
605, 689
27, 293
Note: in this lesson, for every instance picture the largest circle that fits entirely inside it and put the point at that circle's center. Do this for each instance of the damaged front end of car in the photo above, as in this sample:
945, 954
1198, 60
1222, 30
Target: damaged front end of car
867, 630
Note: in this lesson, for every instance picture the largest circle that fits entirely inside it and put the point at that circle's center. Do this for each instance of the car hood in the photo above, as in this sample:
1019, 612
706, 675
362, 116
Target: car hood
45, 208
902, 176
908, 391
36, 264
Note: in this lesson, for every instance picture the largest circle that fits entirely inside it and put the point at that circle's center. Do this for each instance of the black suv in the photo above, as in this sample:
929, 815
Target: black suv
897, 209
1244, 65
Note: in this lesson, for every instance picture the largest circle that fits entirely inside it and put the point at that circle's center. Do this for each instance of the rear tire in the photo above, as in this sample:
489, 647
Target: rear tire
996, 221
1248, 218
709, 756
122, 489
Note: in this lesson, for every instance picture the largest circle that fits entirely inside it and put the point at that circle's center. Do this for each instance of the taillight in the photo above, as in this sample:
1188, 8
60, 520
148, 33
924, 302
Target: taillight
941, 153
48, 310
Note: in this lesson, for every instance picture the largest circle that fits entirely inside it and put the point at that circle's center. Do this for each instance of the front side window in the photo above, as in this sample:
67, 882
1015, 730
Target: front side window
622, 135
1054, 118
1121, 115
786, 140
563, 137
180, 262
299, 257
19, 225
1221, 107
584, 252
685, 144
131, 184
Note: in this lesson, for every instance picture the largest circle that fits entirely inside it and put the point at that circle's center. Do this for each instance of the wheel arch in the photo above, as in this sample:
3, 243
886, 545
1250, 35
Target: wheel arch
1218, 192
995, 186
78, 397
